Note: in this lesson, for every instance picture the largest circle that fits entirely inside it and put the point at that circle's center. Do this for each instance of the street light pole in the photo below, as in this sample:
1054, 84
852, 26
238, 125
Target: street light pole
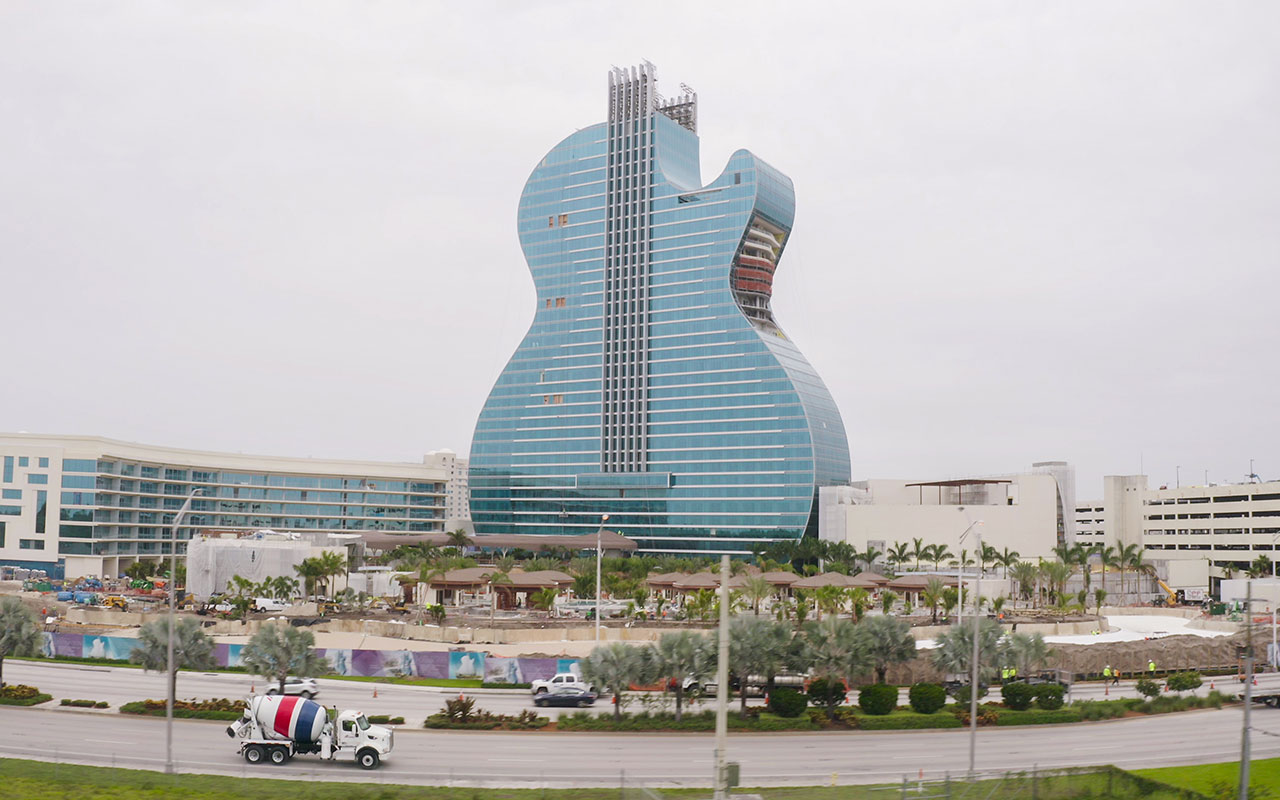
599, 531
722, 685
173, 580
973, 680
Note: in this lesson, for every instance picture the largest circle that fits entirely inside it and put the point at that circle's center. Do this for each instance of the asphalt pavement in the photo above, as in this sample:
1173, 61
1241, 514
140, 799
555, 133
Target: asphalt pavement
595, 759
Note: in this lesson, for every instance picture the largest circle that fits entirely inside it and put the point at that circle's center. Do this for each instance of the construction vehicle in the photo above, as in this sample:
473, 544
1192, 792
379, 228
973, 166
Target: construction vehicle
115, 601
275, 728
1172, 599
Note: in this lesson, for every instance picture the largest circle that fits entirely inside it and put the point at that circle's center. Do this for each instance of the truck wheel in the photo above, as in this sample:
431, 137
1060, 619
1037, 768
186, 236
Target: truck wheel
541, 690
273, 690
279, 755
253, 754
306, 695
367, 759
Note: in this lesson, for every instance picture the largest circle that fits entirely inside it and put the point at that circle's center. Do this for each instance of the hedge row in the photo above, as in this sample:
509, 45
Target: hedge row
33, 700
147, 708
84, 703
700, 721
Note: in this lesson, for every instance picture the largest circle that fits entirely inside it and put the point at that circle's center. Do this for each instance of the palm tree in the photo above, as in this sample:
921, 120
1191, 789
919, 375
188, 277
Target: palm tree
870, 556
459, 540
1056, 574
1125, 556
940, 553
279, 650
950, 599
544, 599
1139, 565
917, 550
1026, 651
614, 666
931, 596
309, 570
283, 587
1260, 567
898, 554
679, 655
1107, 557
954, 653
19, 631
192, 649
830, 598
1099, 597
859, 601
1007, 559
988, 555
757, 647
1025, 573
887, 598
496, 578
756, 589
886, 641
834, 651
331, 564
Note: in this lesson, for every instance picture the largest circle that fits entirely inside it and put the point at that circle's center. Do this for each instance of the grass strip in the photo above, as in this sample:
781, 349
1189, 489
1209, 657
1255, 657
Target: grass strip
38, 780
1212, 779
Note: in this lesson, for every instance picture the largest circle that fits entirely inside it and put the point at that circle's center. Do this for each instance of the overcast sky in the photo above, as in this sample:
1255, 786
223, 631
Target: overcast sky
1024, 231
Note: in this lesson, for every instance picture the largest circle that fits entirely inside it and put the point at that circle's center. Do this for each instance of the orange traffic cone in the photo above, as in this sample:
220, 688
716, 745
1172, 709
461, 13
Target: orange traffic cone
1255, 681
251, 689
1106, 690
1211, 686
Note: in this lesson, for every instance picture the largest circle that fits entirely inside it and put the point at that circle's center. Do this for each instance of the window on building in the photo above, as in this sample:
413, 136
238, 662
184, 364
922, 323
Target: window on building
79, 465
8, 469
11, 494
23, 461
44, 463
30, 544
37, 478
11, 511
564, 219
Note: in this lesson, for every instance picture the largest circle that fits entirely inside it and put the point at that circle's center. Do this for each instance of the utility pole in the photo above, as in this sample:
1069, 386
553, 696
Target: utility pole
722, 686
599, 532
1248, 690
173, 584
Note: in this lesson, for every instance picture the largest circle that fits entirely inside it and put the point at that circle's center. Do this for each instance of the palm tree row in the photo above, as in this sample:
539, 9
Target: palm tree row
834, 648
1045, 583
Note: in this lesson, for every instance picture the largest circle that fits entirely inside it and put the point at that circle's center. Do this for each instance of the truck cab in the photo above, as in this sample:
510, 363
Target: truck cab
556, 681
352, 733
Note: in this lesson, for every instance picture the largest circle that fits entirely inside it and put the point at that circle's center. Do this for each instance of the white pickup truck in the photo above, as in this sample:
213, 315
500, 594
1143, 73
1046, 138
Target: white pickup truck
558, 680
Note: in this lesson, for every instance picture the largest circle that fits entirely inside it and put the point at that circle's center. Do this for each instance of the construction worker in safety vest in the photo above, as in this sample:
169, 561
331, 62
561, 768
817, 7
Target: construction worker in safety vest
1106, 673
1151, 667
1013, 672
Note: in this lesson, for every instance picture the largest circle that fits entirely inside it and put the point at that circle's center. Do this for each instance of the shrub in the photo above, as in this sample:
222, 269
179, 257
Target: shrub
1185, 681
189, 709
1091, 710
1147, 687
962, 694
22, 695
81, 703
1037, 717
18, 691
383, 719
102, 704
1018, 696
907, 722
927, 698
787, 702
1049, 696
823, 692
878, 699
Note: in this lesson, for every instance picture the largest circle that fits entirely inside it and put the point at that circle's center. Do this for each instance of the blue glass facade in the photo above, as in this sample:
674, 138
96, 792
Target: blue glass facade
654, 384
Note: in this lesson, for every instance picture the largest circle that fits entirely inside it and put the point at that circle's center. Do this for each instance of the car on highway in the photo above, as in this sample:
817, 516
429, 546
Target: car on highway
566, 696
302, 687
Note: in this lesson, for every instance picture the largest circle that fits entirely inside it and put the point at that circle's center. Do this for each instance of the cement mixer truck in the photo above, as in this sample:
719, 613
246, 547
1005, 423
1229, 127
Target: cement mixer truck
275, 728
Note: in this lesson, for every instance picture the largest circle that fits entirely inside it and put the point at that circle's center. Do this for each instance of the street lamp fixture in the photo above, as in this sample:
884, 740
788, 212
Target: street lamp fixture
599, 531
977, 618
173, 581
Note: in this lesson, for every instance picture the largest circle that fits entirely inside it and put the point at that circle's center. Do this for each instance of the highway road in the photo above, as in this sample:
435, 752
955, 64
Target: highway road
660, 760
118, 685
563, 759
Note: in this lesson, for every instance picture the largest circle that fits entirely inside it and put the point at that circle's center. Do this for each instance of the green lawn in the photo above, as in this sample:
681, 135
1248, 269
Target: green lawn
1204, 778
37, 780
